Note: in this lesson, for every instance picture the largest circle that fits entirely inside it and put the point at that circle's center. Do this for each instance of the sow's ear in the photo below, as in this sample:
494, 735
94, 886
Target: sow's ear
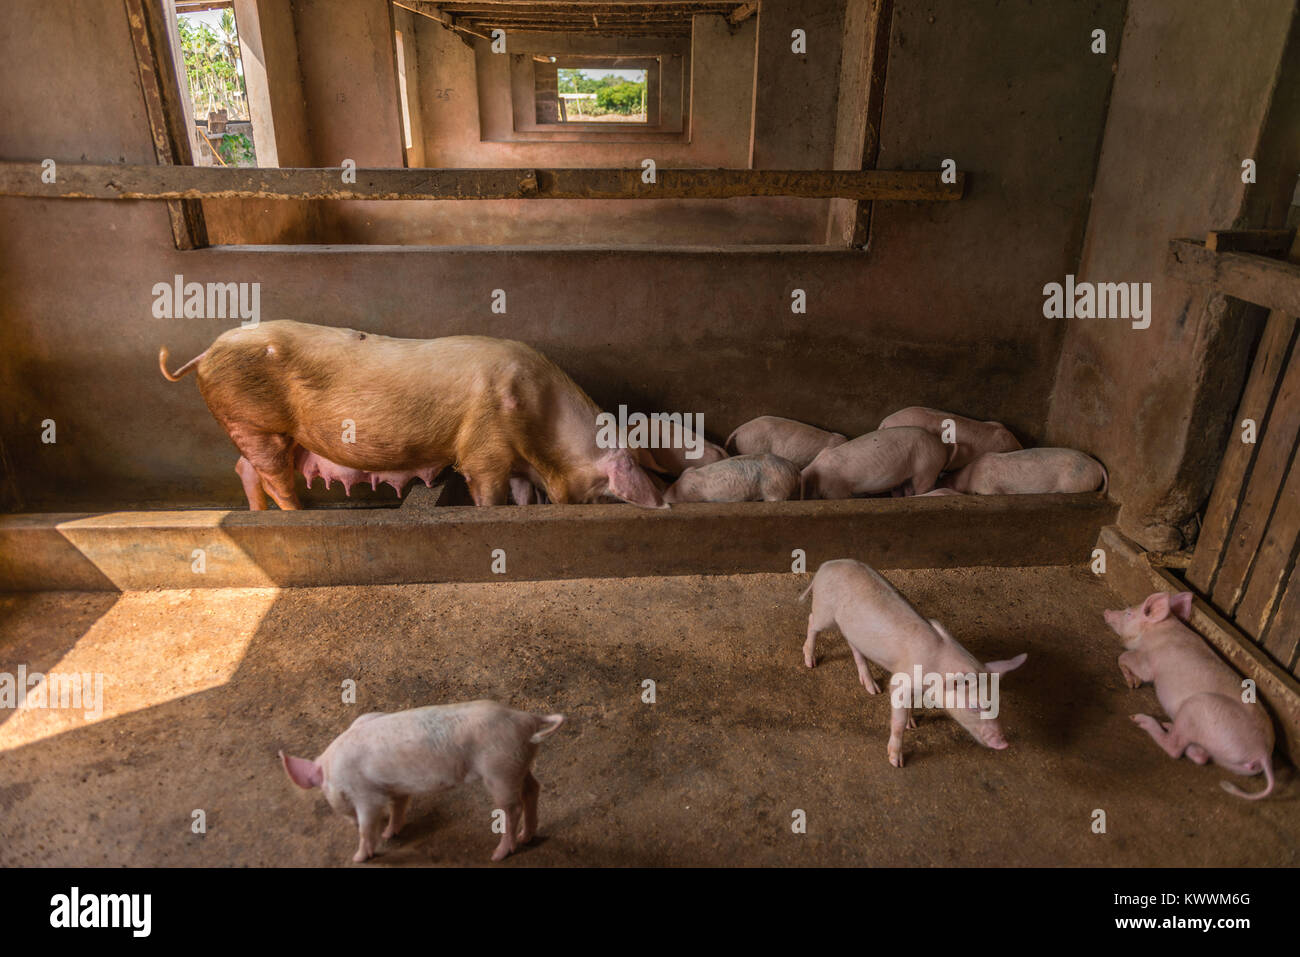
1181, 605
628, 481
304, 773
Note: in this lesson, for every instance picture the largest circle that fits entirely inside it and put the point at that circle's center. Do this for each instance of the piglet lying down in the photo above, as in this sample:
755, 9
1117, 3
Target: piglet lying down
376, 766
1196, 688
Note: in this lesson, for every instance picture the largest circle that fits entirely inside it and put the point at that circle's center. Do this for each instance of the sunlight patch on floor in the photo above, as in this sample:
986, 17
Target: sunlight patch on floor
149, 648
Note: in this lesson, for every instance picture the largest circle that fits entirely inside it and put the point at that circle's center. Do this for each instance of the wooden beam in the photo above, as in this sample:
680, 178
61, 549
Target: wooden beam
1266, 242
575, 29
742, 13
682, 8
1282, 637
161, 90
573, 16
1271, 358
78, 181
1267, 282
431, 11
864, 52
1267, 482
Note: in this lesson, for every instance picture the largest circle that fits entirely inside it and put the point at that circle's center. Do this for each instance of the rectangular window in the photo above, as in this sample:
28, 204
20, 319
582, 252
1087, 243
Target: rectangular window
213, 75
590, 92
586, 88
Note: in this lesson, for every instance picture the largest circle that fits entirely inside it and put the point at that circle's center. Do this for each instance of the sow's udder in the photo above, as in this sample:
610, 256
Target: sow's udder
313, 466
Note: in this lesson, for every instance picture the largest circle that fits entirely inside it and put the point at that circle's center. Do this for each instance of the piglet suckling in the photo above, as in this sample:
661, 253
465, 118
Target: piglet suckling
908, 459
680, 448
742, 478
1028, 472
925, 662
967, 439
1211, 718
794, 441
374, 768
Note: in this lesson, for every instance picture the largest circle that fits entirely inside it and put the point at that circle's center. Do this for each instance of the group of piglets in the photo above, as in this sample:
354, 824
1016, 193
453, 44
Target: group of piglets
916, 451
1213, 719
373, 769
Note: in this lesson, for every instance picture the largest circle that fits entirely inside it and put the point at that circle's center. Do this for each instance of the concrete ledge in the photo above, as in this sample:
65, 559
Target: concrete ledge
141, 550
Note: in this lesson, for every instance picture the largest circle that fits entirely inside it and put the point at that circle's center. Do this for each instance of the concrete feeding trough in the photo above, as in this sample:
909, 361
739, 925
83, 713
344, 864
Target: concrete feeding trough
426, 542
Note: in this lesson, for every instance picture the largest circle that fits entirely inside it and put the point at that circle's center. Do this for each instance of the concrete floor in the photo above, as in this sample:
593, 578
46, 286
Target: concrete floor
203, 687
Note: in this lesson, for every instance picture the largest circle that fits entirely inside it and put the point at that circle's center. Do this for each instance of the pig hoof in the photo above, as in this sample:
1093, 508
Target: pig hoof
911, 724
390, 833
501, 853
896, 758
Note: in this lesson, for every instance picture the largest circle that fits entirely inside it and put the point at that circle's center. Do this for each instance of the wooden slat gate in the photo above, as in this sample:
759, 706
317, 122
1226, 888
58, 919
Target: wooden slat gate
1245, 561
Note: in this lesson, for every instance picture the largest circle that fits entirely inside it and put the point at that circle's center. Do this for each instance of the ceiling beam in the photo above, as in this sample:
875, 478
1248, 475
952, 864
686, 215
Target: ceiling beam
94, 181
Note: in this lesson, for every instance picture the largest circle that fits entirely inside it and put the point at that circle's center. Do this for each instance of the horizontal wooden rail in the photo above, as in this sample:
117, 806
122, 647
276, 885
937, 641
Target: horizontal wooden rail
83, 181
1265, 281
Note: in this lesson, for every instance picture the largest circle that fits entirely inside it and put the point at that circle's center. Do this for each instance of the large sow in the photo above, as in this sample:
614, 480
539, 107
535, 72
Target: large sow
362, 408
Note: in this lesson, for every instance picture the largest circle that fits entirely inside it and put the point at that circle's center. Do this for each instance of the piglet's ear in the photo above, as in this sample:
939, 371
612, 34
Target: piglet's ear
1156, 607
1181, 605
306, 774
1010, 664
628, 481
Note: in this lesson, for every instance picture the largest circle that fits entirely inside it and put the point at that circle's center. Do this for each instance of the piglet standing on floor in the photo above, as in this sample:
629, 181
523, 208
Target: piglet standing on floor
881, 626
377, 765
1211, 718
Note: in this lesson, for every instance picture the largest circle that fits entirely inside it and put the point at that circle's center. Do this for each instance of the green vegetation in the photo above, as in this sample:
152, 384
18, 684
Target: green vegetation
215, 82
614, 94
236, 149
211, 66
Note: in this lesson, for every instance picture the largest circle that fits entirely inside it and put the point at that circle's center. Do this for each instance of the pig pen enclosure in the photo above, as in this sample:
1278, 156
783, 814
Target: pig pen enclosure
1076, 220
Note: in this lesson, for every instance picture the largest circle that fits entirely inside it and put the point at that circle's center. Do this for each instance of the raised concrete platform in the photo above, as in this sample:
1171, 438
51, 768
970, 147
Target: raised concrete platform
126, 551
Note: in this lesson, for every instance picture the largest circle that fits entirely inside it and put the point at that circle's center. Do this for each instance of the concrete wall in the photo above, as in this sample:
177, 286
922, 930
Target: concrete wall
943, 310
269, 50
1201, 86
463, 99
794, 109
